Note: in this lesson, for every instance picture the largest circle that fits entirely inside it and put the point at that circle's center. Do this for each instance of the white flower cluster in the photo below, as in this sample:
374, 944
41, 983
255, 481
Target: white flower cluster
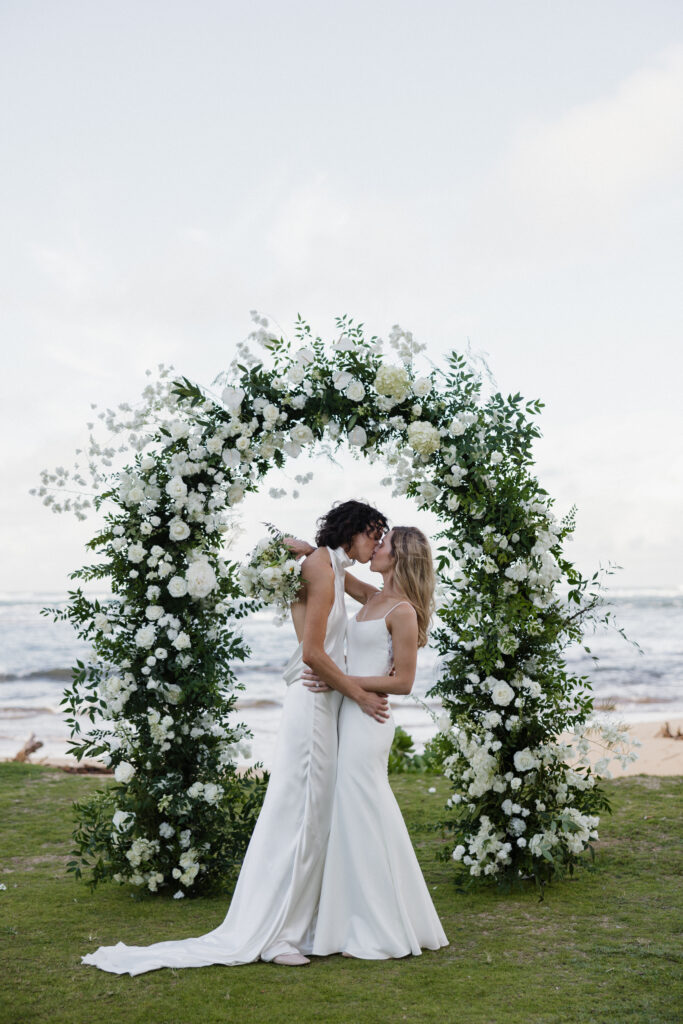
423, 437
207, 791
271, 574
115, 691
393, 382
188, 867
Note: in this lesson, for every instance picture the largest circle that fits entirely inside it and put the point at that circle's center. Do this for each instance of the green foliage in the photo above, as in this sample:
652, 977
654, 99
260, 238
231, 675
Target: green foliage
402, 757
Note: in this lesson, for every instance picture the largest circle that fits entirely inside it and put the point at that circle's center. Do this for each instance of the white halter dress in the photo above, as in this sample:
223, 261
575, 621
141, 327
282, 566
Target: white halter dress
274, 904
374, 902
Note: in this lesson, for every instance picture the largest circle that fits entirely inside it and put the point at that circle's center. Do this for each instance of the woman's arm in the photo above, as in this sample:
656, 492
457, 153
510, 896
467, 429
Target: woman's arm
357, 589
319, 578
402, 624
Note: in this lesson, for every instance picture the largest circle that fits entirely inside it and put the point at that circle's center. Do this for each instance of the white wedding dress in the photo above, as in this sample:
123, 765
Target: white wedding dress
374, 902
274, 905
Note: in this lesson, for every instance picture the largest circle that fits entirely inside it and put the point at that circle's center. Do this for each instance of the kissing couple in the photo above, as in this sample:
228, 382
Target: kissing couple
330, 867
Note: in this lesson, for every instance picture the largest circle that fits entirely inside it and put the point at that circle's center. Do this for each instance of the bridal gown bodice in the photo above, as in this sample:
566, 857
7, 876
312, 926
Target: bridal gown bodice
374, 902
274, 905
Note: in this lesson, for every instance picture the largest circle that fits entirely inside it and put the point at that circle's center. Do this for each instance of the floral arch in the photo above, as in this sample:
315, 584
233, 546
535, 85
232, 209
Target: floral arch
180, 814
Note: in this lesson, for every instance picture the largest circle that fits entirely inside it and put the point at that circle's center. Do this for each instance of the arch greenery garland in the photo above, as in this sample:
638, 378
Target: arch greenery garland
161, 676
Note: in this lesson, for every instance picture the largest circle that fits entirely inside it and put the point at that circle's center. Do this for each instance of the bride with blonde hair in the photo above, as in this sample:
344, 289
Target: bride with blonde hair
374, 902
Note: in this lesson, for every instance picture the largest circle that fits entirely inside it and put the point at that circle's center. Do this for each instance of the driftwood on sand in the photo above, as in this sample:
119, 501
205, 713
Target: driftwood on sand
666, 732
31, 745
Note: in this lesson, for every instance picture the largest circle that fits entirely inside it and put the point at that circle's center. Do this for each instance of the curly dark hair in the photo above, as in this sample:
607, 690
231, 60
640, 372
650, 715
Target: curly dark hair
344, 520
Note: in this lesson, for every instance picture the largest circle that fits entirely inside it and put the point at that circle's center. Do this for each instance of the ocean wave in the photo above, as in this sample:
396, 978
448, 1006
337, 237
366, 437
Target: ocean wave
25, 712
39, 673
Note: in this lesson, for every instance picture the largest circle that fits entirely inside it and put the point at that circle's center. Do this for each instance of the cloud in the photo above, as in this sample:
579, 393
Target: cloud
579, 178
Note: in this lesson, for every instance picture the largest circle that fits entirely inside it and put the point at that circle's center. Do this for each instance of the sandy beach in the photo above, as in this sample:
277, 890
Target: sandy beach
658, 754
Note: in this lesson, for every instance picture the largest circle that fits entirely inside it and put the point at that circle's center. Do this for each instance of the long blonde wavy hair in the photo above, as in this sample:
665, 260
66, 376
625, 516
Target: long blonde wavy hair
414, 574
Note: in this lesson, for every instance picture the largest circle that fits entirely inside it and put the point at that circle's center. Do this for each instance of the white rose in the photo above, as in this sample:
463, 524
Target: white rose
178, 429
270, 575
122, 820
292, 449
201, 579
525, 760
211, 792
178, 529
102, 623
147, 463
296, 373
422, 386
301, 434
355, 391
136, 495
496, 457
173, 693
124, 772
176, 487
136, 553
358, 437
177, 587
231, 458
145, 636
232, 398
182, 642
154, 612
214, 445
501, 693
270, 412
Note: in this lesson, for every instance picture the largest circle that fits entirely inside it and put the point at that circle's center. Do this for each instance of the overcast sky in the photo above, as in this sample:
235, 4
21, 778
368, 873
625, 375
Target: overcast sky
507, 174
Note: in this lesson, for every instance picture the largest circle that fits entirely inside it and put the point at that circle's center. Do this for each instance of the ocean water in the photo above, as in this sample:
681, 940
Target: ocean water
36, 655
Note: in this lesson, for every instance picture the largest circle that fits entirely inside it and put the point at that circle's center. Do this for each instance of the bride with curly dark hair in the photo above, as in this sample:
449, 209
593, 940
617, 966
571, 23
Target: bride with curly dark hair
273, 908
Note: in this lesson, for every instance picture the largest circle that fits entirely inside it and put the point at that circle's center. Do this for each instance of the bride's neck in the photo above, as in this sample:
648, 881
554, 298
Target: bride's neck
389, 585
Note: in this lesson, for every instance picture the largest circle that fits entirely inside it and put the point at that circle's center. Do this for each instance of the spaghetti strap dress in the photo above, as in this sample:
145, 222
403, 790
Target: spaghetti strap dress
374, 902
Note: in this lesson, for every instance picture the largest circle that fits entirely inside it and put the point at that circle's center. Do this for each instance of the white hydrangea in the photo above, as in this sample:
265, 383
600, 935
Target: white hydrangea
423, 437
392, 381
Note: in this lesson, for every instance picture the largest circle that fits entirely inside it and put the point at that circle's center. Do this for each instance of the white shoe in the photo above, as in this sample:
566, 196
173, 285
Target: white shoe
291, 959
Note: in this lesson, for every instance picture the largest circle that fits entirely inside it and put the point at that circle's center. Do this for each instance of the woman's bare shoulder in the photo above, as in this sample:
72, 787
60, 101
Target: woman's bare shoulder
403, 612
318, 561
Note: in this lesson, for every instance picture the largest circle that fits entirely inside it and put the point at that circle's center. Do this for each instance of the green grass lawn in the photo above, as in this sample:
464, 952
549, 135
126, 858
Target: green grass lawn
604, 946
